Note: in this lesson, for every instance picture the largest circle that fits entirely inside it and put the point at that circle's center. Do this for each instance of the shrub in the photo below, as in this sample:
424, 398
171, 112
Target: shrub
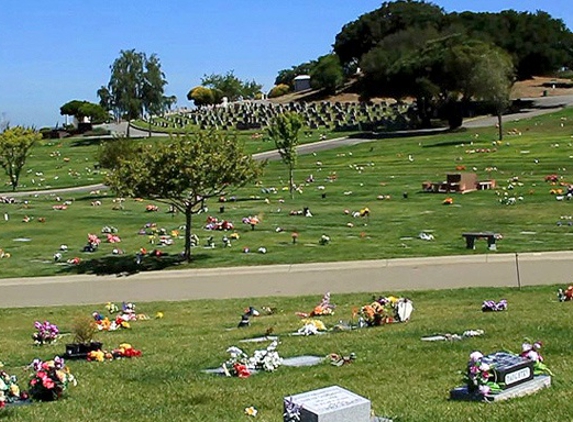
279, 91
83, 329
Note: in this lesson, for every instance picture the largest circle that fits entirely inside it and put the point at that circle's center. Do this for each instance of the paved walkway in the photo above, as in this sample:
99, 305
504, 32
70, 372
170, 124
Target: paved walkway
376, 277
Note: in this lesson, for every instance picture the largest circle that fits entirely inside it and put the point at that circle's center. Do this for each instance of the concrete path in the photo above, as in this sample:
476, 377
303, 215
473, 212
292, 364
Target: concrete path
376, 277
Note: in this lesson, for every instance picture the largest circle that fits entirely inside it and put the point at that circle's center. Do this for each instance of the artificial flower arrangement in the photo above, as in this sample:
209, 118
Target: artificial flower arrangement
10, 392
50, 379
311, 327
565, 295
124, 316
385, 310
242, 366
124, 350
291, 410
532, 351
493, 306
340, 360
46, 333
105, 324
323, 308
479, 376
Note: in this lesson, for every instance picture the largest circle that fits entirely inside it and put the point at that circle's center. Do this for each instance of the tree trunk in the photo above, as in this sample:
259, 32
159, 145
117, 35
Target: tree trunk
128, 125
291, 182
149, 128
500, 125
187, 252
423, 112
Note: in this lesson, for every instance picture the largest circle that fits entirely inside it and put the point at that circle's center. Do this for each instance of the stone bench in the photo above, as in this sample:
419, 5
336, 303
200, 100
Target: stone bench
491, 238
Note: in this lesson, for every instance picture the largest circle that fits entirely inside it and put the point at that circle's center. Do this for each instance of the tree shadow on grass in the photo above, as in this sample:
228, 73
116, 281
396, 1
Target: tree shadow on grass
126, 265
86, 142
447, 144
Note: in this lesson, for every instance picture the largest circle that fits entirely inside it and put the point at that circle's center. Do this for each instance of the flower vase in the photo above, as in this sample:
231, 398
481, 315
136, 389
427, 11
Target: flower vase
95, 345
81, 350
45, 394
72, 350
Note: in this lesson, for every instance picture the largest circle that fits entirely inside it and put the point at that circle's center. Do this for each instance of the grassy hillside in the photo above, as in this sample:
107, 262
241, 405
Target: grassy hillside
346, 181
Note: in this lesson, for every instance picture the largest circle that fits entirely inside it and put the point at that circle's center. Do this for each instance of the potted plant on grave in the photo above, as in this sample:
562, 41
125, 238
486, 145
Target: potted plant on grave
83, 329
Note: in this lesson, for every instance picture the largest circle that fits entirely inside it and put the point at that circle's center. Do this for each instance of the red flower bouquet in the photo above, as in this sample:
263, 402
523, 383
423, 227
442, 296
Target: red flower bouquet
50, 379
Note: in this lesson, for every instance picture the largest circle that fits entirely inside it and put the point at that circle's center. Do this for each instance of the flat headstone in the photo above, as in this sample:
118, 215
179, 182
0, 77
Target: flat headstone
259, 339
304, 360
307, 335
525, 389
295, 361
18, 403
332, 404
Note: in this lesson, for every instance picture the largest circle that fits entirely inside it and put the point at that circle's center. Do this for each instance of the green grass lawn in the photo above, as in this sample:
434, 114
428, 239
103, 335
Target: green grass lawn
70, 162
351, 179
405, 378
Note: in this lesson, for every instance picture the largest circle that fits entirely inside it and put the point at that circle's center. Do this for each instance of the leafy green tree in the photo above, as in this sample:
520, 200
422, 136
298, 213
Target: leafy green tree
286, 76
15, 146
327, 74
71, 108
111, 153
283, 130
169, 102
251, 90
201, 96
105, 99
95, 112
80, 109
185, 172
230, 86
360, 36
492, 78
440, 74
396, 68
153, 98
136, 86
538, 43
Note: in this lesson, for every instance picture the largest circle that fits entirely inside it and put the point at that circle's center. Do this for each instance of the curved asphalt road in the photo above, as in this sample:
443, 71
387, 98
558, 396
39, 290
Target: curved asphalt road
498, 270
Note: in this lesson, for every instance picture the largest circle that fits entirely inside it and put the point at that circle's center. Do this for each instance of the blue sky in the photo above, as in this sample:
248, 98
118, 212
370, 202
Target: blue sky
53, 51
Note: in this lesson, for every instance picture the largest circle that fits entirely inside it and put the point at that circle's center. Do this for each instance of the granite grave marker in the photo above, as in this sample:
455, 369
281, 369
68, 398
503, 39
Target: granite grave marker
330, 404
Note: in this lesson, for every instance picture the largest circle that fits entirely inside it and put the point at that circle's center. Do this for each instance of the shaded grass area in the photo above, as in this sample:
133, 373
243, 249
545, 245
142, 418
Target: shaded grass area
346, 180
404, 377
